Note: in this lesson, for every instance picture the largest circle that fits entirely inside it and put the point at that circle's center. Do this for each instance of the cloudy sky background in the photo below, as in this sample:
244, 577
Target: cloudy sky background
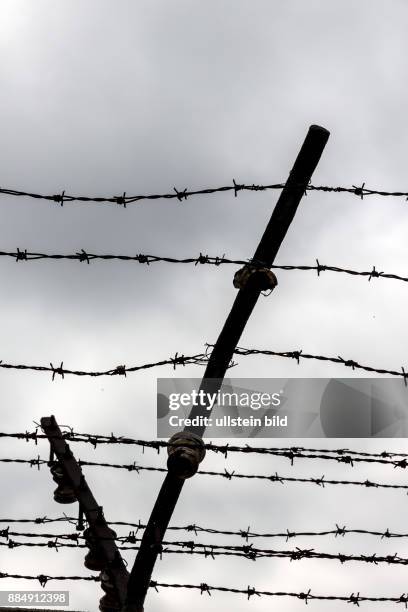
98, 98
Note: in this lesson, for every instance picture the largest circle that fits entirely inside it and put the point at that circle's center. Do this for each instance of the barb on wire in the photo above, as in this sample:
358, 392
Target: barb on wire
134, 467
339, 455
182, 194
201, 259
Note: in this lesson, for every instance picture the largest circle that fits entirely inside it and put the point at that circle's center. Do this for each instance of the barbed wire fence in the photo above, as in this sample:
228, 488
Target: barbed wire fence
183, 194
217, 359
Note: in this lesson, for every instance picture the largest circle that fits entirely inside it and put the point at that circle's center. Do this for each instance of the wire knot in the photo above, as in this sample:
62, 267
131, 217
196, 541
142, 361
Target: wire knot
252, 591
21, 255
42, 580
204, 588
181, 195
83, 256
354, 599
202, 259
237, 187
59, 198
121, 200
59, 370
360, 191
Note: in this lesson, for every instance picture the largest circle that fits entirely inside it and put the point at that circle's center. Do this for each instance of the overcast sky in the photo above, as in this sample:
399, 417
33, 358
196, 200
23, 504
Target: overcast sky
99, 98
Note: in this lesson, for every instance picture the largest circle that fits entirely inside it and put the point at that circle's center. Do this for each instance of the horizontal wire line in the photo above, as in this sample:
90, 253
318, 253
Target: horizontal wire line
354, 598
192, 528
202, 359
229, 475
339, 455
182, 195
210, 550
84, 256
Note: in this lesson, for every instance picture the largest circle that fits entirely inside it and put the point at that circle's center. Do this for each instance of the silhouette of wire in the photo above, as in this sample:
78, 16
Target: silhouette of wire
182, 195
245, 534
292, 453
354, 598
210, 550
121, 370
202, 359
84, 256
133, 467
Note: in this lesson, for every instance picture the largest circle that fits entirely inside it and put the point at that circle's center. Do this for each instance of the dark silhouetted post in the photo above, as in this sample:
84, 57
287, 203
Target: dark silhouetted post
104, 555
251, 281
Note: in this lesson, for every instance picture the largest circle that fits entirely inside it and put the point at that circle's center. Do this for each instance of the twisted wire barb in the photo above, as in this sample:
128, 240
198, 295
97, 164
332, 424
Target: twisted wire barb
182, 195
133, 467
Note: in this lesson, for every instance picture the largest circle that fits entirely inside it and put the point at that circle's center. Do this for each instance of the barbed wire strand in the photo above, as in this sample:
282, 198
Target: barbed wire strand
229, 475
246, 534
182, 195
354, 598
209, 550
84, 256
339, 455
202, 359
